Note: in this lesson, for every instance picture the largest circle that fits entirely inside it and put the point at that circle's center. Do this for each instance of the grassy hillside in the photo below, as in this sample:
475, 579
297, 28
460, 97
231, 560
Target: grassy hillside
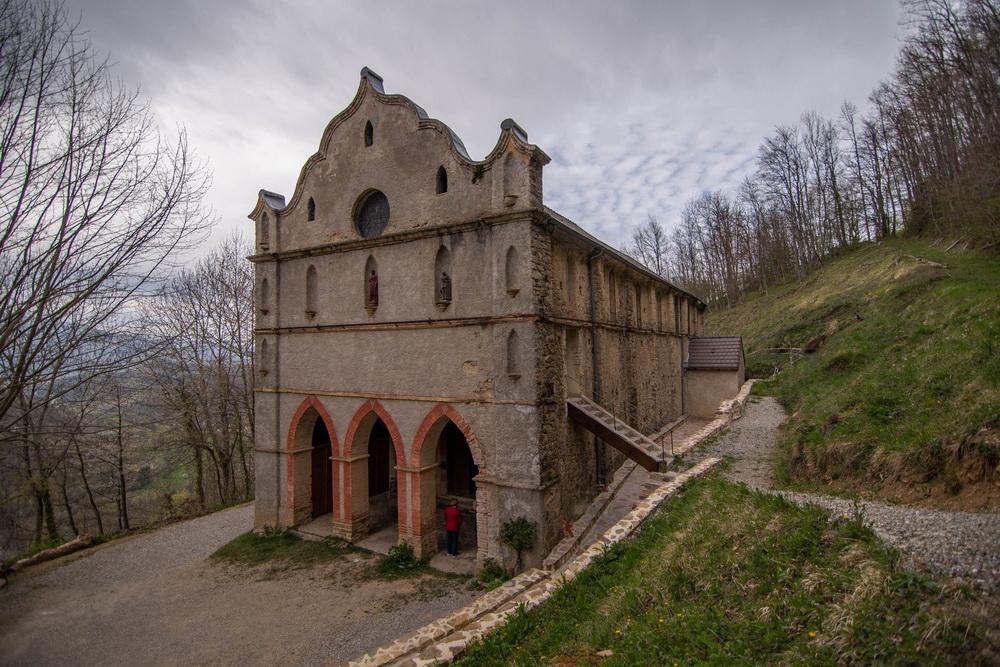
730, 576
901, 397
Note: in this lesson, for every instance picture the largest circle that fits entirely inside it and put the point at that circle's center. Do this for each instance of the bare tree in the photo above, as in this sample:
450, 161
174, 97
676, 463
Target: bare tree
650, 245
94, 204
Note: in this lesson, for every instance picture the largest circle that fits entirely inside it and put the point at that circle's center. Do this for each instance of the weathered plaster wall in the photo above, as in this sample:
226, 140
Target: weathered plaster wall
706, 389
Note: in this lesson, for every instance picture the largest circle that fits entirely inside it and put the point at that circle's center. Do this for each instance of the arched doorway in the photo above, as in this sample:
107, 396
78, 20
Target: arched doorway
372, 448
322, 470
382, 503
312, 450
456, 483
446, 465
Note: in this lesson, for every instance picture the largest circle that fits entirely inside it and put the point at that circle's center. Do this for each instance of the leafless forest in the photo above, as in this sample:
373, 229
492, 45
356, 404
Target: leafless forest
925, 159
126, 379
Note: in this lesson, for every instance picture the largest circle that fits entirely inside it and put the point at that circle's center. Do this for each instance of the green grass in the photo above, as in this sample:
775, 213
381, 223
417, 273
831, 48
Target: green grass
280, 547
724, 575
909, 372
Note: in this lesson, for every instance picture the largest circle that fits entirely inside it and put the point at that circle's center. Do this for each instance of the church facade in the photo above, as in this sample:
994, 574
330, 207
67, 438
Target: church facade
422, 319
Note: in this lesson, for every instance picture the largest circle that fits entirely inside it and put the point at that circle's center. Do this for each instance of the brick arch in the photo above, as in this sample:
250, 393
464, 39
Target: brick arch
296, 498
422, 481
300, 412
437, 413
368, 407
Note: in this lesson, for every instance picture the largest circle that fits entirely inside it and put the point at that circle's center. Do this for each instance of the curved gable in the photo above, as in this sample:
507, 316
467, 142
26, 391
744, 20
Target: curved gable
400, 155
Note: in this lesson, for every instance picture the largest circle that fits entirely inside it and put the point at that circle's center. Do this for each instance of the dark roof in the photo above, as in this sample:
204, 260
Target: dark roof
582, 233
715, 352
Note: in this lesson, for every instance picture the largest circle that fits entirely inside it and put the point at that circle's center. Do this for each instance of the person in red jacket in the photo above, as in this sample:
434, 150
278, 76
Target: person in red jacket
452, 524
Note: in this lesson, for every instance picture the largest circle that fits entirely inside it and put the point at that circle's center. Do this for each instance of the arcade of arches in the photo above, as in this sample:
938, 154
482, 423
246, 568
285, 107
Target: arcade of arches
370, 485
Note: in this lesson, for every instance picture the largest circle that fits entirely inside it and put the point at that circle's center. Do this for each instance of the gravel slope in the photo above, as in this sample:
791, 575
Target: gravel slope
961, 544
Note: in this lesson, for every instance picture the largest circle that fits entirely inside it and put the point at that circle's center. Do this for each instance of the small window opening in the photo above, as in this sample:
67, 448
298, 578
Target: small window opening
264, 297
265, 232
311, 209
513, 282
369, 134
442, 181
311, 289
513, 355
262, 357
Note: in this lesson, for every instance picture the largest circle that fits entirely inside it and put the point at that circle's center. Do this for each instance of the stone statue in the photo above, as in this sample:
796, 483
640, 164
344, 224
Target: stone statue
372, 300
445, 288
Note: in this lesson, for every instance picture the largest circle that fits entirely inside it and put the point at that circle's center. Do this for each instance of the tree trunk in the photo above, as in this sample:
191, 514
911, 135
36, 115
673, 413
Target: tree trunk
90, 492
66, 504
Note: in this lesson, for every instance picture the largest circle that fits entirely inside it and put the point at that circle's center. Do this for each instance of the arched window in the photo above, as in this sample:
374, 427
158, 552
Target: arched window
311, 210
263, 360
511, 270
509, 180
442, 181
638, 305
372, 214
371, 284
513, 355
612, 297
264, 296
443, 288
311, 289
369, 134
265, 232
570, 283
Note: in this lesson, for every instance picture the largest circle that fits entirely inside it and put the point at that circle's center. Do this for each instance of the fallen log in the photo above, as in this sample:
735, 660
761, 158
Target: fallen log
80, 542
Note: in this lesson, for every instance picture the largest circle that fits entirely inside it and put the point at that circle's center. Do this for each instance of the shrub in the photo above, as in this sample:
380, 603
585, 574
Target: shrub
401, 560
519, 534
491, 575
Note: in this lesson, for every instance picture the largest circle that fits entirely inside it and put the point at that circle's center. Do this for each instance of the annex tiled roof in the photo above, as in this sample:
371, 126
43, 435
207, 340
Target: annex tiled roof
715, 352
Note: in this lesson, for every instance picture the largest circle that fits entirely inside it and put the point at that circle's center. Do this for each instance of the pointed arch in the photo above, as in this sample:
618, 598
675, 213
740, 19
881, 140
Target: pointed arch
510, 178
441, 181
302, 419
513, 354
264, 296
311, 210
369, 134
263, 357
264, 239
512, 271
431, 427
299, 447
363, 419
312, 289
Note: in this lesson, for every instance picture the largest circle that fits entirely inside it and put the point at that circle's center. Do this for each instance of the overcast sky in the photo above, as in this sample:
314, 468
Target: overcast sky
641, 105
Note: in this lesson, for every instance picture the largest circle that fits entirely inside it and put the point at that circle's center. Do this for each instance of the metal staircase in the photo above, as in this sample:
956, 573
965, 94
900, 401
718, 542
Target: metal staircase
618, 434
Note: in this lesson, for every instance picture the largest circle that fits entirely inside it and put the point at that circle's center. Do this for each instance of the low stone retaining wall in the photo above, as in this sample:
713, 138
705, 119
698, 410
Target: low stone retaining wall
564, 549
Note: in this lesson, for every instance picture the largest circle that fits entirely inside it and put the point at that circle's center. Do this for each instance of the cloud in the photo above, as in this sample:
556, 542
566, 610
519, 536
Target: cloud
640, 104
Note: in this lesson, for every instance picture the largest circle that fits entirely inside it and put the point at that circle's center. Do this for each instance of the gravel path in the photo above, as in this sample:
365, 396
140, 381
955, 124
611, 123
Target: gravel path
960, 544
155, 599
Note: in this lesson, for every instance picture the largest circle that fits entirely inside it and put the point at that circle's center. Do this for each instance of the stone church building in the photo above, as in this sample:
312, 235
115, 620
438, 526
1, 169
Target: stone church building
428, 330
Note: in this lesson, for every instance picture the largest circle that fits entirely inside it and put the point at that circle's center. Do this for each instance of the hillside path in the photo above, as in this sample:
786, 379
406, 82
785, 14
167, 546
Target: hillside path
156, 599
960, 544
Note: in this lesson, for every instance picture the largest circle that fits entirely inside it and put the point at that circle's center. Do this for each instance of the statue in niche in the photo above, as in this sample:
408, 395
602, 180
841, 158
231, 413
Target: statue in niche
445, 293
372, 300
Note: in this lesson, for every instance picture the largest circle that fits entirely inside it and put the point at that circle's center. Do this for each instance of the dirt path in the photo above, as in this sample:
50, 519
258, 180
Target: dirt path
961, 544
155, 599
